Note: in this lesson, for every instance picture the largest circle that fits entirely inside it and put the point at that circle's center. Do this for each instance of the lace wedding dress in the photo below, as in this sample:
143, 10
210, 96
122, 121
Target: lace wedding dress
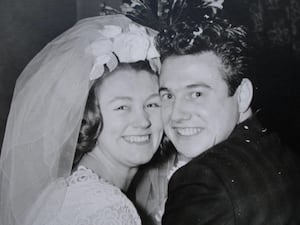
88, 200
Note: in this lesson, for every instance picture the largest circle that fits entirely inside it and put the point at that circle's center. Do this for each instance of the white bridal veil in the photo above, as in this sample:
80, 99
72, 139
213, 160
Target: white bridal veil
45, 118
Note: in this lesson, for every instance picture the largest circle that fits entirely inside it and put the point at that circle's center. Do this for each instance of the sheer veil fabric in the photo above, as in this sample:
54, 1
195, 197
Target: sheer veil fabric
44, 121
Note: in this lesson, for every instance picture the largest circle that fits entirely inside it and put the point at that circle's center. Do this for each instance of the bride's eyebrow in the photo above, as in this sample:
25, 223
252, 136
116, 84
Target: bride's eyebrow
120, 98
154, 95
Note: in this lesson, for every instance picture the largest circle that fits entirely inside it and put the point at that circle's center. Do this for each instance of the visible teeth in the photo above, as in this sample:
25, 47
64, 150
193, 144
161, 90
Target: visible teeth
188, 131
137, 139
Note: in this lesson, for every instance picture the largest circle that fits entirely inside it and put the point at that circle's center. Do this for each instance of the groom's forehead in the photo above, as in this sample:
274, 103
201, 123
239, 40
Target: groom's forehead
190, 71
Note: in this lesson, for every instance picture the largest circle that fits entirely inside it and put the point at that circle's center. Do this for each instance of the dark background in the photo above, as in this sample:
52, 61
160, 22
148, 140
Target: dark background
274, 27
27, 25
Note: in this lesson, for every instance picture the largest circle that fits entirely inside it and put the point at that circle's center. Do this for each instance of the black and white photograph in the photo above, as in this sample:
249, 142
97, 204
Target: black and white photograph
150, 112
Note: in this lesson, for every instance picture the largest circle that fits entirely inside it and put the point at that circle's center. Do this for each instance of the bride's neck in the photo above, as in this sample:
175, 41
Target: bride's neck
112, 171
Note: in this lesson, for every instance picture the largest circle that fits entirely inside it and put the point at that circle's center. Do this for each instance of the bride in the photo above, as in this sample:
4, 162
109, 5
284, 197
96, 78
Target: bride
85, 114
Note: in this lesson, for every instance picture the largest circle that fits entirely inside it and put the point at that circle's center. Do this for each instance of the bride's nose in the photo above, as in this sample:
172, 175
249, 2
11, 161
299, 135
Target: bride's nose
141, 119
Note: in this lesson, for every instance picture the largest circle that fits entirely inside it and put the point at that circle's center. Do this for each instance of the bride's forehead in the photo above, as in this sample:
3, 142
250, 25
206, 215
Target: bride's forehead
128, 76
128, 82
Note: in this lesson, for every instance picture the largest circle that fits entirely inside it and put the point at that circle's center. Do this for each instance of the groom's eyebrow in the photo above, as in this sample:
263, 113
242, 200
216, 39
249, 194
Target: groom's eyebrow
190, 86
162, 89
198, 85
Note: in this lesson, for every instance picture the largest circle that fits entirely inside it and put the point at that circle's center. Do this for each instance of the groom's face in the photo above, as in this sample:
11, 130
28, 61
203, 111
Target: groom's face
197, 111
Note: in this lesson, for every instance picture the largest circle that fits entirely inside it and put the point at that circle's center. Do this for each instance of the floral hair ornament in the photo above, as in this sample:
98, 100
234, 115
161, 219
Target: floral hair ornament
122, 45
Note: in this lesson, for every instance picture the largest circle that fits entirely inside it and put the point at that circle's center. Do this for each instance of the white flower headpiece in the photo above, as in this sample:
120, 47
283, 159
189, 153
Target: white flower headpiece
114, 45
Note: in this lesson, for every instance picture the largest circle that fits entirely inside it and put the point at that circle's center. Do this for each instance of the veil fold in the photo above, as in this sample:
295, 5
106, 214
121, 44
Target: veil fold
45, 118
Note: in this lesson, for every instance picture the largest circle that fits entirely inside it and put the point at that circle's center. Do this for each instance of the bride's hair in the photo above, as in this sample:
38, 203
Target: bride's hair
92, 121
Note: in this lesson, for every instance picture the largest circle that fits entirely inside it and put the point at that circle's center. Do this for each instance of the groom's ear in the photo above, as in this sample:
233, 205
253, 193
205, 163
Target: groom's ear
245, 95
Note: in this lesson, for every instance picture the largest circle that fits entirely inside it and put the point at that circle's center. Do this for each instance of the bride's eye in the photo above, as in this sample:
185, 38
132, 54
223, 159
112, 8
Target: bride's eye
153, 105
122, 107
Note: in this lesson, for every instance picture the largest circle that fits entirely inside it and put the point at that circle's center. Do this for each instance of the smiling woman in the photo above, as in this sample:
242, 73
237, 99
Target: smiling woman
129, 128
131, 115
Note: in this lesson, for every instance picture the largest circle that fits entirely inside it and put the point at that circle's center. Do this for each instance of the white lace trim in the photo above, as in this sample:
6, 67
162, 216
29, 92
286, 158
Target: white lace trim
87, 200
82, 174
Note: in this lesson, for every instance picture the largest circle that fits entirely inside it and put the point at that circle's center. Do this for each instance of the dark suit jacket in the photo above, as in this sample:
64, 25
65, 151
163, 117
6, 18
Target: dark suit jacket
249, 179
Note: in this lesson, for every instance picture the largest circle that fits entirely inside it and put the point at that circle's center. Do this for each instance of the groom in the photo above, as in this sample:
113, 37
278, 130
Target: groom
236, 172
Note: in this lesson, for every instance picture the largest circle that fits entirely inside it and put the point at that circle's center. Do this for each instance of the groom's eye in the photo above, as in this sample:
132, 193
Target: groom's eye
166, 96
196, 94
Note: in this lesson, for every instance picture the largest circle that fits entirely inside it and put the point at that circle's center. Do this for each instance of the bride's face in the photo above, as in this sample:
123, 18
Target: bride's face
130, 107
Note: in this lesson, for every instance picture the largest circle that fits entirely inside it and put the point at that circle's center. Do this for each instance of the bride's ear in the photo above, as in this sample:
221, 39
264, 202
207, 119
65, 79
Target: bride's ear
245, 95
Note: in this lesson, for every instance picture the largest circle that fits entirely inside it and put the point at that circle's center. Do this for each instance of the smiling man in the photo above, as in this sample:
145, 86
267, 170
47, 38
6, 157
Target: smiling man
236, 171
198, 110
